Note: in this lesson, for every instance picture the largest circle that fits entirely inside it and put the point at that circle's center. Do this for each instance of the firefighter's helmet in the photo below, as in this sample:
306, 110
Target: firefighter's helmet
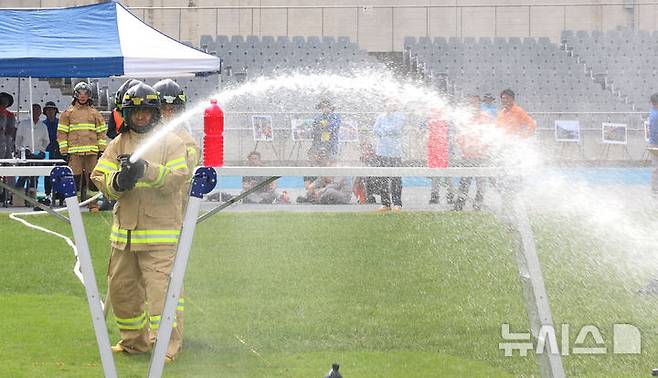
79, 88
140, 97
170, 92
118, 96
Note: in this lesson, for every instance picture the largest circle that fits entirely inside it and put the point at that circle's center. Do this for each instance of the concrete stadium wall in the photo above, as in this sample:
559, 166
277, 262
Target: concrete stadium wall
383, 24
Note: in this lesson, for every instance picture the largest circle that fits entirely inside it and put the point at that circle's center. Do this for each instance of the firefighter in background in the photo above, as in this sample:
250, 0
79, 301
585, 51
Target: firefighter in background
81, 137
116, 118
147, 220
172, 104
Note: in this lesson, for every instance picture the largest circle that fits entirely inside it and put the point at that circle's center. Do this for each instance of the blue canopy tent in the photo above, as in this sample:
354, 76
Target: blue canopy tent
98, 40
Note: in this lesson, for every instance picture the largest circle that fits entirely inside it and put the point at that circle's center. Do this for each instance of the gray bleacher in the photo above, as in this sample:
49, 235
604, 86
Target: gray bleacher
543, 75
253, 56
623, 60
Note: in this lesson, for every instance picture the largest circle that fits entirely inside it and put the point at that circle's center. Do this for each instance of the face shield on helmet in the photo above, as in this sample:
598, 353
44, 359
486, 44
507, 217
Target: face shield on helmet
172, 98
141, 109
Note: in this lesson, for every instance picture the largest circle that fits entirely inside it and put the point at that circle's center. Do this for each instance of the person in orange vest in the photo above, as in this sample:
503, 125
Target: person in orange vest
81, 136
513, 119
474, 151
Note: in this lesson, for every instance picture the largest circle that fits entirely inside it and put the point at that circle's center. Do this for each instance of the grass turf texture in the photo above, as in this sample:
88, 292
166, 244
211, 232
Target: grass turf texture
280, 294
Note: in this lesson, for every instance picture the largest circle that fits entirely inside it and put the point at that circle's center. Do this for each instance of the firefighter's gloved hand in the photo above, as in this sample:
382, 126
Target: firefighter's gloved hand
129, 173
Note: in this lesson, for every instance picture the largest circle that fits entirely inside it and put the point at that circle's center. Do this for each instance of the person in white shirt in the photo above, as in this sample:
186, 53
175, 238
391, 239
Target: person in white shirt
33, 137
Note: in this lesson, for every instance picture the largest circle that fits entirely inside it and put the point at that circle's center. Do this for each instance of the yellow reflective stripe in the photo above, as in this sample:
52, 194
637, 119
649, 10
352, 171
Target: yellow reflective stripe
145, 236
154, 236
108, 187
82, 127
106, 166
73, 149
138, 322
102, 142
176, 164
181, 304
63, 143
102, 127
159, 181
155, 321
63, 128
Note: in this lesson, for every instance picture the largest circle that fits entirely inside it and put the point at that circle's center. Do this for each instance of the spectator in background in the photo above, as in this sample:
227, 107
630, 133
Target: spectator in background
51, 122
326, 126
266, 194
33, 138
653, 143
7, 138
439, 143
513, 119
33, 135
489, 105
388, 132
365, 188
7, 126
330, 191
469, 139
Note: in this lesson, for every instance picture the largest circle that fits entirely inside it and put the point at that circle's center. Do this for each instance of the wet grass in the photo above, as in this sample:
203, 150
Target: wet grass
281, 294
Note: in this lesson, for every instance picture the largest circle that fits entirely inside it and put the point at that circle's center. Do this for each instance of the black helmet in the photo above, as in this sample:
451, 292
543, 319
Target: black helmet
50, 105
118, 96
170, 92
140, 96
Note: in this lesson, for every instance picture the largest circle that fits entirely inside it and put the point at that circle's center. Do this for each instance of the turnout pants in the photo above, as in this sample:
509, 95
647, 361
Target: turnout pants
138, 282
82, 166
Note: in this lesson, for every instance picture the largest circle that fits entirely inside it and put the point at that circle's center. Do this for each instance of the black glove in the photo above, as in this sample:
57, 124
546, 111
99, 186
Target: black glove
129, 173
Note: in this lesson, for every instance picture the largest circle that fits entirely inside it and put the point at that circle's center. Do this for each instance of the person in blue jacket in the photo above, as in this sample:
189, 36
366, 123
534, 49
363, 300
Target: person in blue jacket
388, 133
326, 127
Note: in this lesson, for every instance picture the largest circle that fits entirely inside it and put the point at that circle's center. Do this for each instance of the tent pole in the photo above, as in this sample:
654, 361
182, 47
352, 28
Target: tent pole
31, 123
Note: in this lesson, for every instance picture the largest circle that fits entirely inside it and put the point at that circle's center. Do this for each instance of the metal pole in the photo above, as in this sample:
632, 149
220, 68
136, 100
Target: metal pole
532, 279
63, 184
204, 181
29, 90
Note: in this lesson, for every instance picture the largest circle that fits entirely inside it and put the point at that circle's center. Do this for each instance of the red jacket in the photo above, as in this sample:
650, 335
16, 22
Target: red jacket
437, 140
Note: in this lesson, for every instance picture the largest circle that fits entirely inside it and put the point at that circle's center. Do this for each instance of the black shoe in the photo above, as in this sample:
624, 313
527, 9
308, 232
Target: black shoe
434, 199
477, 206
371, 200
302, 199
451, 199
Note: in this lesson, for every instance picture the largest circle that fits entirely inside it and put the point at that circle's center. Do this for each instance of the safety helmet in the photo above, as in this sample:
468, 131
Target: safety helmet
170, 92
118, 96
140, 96
81, 86
50, 105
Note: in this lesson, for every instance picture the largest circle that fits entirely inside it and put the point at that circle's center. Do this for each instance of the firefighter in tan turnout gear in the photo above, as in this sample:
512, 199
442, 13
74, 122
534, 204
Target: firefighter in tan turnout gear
147, 220
81, 137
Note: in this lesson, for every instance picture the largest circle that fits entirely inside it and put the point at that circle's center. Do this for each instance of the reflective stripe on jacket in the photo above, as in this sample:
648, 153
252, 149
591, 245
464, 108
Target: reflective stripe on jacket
148, 217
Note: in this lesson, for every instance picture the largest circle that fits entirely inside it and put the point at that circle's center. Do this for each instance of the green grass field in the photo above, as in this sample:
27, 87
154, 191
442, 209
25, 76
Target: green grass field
287, 294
